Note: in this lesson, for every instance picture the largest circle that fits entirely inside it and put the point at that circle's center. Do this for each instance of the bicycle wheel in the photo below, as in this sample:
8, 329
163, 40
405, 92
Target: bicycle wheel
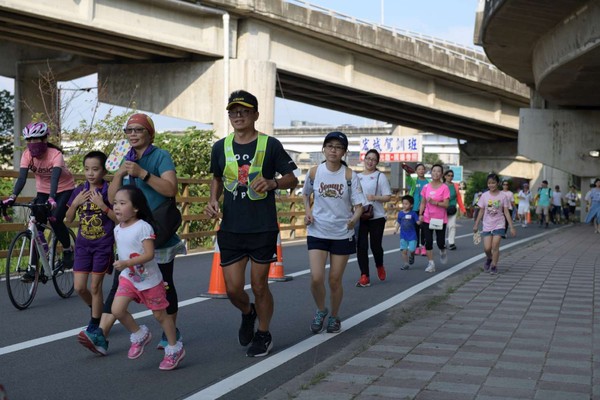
61, 278
21, 287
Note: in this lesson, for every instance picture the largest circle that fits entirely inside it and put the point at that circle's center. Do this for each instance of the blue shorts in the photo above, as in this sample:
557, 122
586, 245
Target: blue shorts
495, 232
409, 245
340, 247
259, 247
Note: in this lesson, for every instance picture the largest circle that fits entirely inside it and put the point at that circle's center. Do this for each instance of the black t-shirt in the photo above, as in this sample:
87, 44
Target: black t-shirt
240, 214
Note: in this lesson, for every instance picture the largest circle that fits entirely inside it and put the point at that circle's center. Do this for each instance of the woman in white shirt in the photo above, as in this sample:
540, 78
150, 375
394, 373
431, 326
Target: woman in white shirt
376, 189
337, 207
524, 203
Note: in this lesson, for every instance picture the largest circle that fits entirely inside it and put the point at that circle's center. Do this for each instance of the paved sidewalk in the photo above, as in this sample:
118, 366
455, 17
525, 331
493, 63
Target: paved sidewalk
529, 332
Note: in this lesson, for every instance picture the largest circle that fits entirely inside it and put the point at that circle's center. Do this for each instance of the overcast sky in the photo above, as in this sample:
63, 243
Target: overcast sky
451, 20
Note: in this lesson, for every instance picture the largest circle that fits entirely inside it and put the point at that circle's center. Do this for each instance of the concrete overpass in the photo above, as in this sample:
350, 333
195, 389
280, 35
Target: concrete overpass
554, 48
181, 59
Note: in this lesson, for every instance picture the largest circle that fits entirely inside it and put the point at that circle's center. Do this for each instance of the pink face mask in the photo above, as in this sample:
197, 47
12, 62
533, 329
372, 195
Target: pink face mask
37, 149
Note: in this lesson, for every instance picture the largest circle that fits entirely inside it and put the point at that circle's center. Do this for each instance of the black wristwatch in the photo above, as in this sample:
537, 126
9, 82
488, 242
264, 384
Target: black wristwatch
147, 177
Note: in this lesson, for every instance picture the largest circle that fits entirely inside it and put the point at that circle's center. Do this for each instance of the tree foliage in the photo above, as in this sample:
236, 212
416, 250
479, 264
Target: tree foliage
432, 159
7, 109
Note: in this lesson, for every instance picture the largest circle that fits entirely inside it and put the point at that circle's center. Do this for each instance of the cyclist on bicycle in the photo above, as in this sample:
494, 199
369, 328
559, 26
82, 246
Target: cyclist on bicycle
54, 184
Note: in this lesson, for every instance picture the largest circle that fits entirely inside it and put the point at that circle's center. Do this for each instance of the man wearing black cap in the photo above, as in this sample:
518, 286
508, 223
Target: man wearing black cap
244, 165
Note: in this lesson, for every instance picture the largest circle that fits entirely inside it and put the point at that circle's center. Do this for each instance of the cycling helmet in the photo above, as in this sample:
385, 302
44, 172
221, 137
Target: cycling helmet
36, 130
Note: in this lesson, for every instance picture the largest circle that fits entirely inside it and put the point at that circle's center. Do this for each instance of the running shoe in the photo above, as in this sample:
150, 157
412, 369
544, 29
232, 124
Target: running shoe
452, 246
381, 273
411, 258
164, 342
28, 276
317, 323
418, 251
172, 360
364, 281
334, 325
430, 267
68, 258
246, 332
137, 345
423, 251
493, 270
486, 266
444, 256
262, 343
94, 341
405, 267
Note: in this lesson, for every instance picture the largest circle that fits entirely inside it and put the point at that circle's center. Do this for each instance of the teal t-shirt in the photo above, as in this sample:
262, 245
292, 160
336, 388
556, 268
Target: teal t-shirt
545, 194
416, 185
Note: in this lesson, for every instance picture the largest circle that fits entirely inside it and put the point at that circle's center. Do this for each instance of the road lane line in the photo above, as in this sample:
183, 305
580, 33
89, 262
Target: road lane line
275, 360
73, 332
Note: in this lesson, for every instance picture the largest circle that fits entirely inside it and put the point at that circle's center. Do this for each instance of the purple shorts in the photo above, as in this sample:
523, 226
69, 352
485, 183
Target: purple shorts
96, 260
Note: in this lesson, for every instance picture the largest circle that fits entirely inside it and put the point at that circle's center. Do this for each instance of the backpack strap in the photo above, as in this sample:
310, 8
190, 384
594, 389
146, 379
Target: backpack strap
312, 173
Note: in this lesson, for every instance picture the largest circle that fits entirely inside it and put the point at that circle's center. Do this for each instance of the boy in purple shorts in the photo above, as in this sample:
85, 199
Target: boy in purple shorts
94, 244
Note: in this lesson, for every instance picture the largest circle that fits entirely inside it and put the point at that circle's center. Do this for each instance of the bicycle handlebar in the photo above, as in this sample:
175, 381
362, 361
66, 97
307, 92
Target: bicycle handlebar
32, 206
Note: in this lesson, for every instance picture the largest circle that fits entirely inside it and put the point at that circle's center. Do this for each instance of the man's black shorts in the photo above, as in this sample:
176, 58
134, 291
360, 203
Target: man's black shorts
260, 247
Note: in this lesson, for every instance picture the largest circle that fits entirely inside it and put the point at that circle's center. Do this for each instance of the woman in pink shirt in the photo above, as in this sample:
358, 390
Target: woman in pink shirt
435, 197
494, 206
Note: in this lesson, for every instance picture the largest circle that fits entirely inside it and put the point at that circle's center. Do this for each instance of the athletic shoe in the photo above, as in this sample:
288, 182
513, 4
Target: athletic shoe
493, 270
381, 273
418, 251
68, 258
137, 346
28, 276
246, 332
94, 341
444, 256
164, 342
364, 281
317, 323
486, 266
423, 251
452, 246
430, 266
334, 325
262, 343
171, 361
411, 258
405, 267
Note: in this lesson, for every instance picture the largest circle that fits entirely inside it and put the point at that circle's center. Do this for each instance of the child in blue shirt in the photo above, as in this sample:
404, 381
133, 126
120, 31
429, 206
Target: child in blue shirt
407, 223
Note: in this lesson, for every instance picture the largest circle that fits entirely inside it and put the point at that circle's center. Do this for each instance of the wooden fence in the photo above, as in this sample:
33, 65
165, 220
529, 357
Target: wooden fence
290, 214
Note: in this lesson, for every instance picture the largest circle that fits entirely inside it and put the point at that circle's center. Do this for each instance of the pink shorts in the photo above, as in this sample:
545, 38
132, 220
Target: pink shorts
154, 298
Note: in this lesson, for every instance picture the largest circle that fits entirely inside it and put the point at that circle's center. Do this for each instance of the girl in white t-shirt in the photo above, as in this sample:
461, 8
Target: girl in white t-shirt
140, 279
337, 207
494, 207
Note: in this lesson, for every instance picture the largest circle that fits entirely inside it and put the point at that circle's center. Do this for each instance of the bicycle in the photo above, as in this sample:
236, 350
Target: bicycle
23, 257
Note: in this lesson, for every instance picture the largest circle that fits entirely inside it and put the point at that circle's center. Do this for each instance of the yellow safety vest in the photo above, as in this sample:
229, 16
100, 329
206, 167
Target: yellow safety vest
230, 174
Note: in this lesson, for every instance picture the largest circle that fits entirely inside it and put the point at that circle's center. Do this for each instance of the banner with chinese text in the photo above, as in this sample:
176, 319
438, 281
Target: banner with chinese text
393, 148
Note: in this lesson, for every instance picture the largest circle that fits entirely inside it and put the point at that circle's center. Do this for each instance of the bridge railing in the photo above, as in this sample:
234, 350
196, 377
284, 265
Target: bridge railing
466, 52
290, 206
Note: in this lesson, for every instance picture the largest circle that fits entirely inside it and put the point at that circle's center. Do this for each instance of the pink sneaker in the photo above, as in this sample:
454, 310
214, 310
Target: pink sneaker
137, 348
423, 251
417, 251
171, 361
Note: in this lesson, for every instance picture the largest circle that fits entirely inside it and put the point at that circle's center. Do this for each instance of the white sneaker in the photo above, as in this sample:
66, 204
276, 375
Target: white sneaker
443, 257
430, 267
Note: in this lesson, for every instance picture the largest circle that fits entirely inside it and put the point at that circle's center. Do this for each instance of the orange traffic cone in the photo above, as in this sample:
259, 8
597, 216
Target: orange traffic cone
216, 286
528, 218
276, 268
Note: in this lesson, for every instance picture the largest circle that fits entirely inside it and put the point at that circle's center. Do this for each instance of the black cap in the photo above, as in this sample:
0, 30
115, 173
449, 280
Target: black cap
243, 98
337, 136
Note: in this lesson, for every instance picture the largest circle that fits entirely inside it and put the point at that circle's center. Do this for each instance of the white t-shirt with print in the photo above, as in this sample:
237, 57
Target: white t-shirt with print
129, 241
376, 181
333, 202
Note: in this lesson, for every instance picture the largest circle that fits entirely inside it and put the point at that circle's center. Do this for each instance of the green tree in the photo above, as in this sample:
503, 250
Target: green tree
477, 182
431, 159
7, 110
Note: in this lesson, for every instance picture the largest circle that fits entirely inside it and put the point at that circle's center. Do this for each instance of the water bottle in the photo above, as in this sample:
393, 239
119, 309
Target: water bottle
42, 238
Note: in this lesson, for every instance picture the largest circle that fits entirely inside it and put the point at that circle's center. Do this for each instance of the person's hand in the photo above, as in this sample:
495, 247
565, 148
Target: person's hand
371, 197
9, 201
133, 169
475, 228
407, 168
212, 209
351, 224
262, 185
52, 203
419, 222
513, 231
81, 198
120, 265
308, 219
96, 198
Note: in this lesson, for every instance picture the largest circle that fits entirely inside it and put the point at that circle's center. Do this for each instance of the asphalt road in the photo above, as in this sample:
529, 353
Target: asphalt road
40, 358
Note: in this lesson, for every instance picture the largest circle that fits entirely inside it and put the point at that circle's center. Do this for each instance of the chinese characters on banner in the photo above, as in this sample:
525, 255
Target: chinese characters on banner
393, 148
